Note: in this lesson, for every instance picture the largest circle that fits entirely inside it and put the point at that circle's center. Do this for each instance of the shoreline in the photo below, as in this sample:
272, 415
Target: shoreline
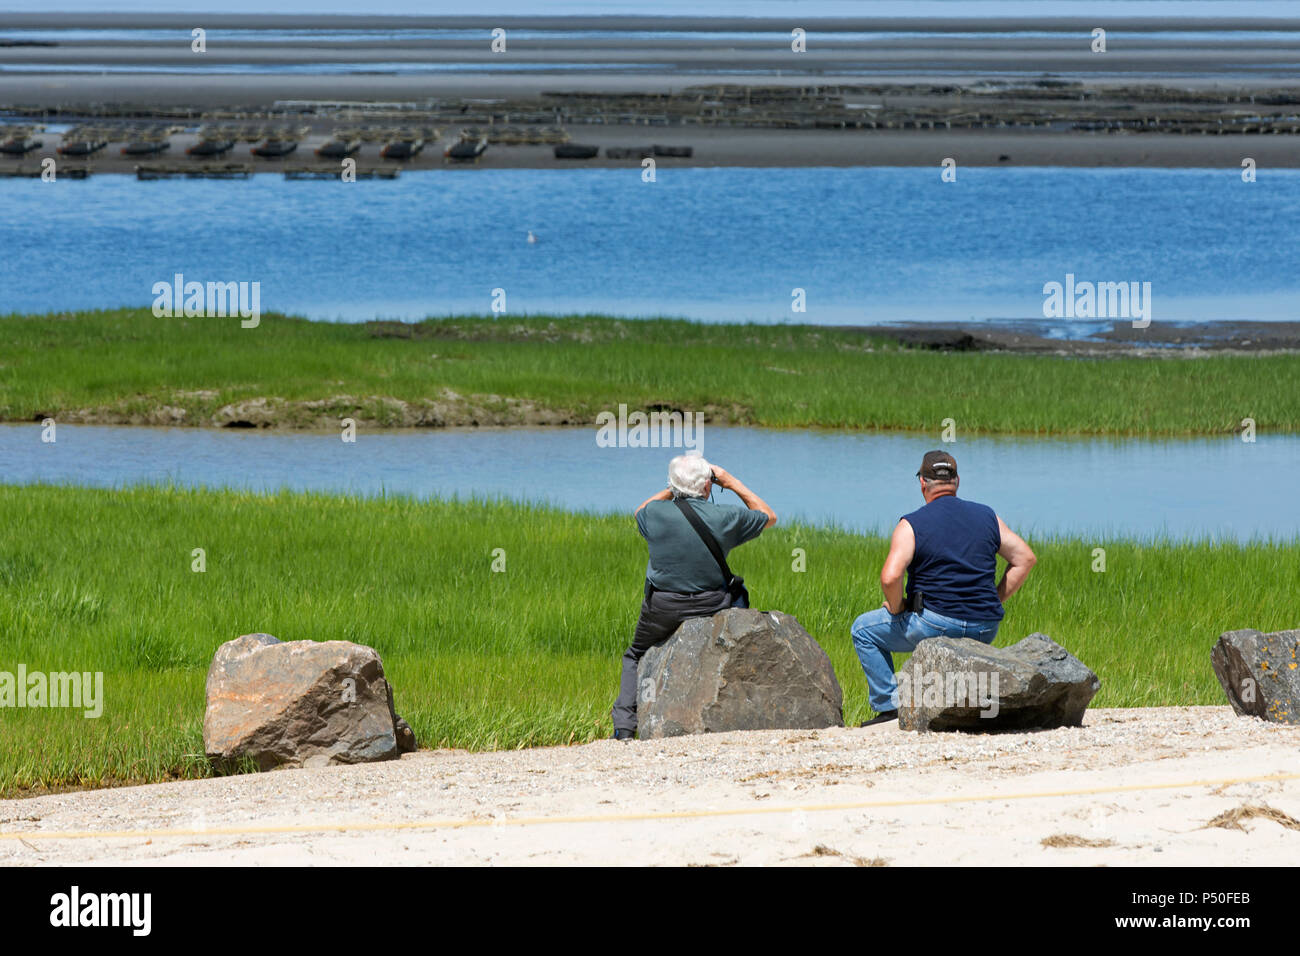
795, 523
1159, 340
717, 148
866, 91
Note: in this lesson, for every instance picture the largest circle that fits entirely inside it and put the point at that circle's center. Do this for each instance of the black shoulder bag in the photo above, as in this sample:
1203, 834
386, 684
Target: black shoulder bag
735, 585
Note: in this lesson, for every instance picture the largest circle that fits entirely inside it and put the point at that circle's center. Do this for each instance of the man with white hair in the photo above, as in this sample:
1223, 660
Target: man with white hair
683, 579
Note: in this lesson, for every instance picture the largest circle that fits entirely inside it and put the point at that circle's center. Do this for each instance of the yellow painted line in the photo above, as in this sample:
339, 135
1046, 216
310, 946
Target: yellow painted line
373, 826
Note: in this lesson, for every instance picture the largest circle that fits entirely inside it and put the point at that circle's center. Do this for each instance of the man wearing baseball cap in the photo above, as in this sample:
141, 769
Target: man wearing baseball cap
949, 549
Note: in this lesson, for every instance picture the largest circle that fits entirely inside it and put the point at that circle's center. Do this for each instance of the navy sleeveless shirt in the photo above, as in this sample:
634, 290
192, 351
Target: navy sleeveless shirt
955, 565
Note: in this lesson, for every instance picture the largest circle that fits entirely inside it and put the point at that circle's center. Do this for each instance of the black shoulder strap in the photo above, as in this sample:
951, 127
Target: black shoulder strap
707, 537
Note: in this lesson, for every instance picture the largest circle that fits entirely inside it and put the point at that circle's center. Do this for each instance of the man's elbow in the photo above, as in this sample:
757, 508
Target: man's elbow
771, 520
890, 578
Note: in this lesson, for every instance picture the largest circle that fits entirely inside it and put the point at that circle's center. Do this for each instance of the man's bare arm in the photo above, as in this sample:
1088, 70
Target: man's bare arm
1020, 559
753, 502
902, 546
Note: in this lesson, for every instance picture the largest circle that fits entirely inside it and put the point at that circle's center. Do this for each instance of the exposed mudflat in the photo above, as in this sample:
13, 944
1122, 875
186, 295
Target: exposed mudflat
1155, 341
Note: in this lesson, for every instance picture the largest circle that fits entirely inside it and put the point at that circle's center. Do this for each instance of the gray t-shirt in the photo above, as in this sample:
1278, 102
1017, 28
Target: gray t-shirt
679, 560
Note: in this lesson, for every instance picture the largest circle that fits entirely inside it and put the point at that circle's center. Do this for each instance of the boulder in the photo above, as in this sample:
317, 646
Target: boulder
300, 703
963, 684
1260, 673
740, 669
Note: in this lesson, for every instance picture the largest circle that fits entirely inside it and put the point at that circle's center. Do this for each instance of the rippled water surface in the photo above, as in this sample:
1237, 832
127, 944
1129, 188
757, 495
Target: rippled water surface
864, 245
1130, 487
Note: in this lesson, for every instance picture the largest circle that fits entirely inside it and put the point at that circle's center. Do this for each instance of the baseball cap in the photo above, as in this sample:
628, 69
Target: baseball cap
938, 466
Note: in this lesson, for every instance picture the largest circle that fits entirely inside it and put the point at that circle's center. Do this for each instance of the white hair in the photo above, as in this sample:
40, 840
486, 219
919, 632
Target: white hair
688, 475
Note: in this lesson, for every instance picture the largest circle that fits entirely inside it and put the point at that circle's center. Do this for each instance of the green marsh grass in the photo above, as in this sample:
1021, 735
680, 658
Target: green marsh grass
130, 362
101, 580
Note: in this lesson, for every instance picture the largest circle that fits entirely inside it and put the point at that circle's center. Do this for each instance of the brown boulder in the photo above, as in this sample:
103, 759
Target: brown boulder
300, 703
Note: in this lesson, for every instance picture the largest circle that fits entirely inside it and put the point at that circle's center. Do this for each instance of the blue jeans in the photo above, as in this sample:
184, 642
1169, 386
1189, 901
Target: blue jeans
877, 633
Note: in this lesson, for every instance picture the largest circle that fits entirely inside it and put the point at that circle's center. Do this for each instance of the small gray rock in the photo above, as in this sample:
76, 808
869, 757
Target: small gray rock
300, 703
740, 669
1260, 673
963, 684
405, 735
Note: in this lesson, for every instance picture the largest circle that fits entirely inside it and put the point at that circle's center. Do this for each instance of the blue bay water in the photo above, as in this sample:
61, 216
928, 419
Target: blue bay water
866, 244
1097, 489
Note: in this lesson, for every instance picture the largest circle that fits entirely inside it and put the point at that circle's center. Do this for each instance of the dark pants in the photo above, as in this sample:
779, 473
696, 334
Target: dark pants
661, 613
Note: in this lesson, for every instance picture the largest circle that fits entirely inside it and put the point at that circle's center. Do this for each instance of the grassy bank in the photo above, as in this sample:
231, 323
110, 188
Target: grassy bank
130, 367
96, 580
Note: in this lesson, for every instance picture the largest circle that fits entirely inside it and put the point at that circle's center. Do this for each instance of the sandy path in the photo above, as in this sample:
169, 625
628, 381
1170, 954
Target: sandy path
1142, 782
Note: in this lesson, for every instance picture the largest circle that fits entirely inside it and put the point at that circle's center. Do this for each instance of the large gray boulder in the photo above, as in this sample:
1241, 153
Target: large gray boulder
300, 703
740, 669
963, 684
1260, 673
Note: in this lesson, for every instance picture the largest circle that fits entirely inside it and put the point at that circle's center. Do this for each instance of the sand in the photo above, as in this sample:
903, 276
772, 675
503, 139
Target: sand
1131, 787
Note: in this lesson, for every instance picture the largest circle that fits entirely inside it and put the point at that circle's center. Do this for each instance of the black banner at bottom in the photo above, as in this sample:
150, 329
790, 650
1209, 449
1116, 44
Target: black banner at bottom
299, 904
